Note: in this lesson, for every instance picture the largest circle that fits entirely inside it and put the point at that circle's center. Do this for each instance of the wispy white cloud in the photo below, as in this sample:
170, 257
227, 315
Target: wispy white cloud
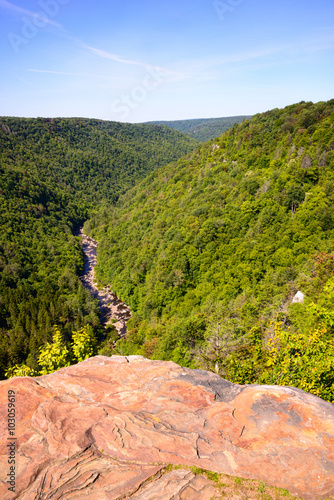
196, 68
23, 80
113, 57
81, 75
246, 56
15, 9
209, 68
164, 72
214, 67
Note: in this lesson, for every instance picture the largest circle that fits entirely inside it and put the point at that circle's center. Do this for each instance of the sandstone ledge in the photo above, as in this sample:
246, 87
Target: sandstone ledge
107, 427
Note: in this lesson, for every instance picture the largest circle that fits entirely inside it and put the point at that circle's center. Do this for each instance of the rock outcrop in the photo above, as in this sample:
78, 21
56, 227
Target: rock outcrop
108, 427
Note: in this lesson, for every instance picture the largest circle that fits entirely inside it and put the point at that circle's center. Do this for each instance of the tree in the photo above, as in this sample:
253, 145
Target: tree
84, 343
294, 196
223, 339
20, 371
54, 355
57, 355
303, 360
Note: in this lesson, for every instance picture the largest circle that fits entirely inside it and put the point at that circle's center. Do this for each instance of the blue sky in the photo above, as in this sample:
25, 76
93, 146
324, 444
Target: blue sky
151, 60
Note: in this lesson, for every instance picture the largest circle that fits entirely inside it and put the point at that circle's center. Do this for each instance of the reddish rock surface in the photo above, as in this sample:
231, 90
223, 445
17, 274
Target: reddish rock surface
107, 428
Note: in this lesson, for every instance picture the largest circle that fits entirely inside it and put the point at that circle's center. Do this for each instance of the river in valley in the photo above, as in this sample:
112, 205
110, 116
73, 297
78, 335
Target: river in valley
111, 307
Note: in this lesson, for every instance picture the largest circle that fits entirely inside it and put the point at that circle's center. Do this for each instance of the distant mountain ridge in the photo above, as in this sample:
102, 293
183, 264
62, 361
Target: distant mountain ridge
204, 129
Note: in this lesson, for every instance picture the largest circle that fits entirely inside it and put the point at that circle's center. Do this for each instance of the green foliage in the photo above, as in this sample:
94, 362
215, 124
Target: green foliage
54, 355
111, 336
304, 360
20, 371
245, 221
262, 487
236, 487
58, 354
53, 173
84, 343
204, 129
223, 337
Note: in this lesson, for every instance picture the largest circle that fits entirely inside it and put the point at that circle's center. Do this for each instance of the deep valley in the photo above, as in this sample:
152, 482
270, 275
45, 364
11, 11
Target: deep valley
207, 244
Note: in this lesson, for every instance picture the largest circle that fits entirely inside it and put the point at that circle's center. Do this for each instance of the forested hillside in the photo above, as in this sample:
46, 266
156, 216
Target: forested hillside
210, 250
204, 129
53, 175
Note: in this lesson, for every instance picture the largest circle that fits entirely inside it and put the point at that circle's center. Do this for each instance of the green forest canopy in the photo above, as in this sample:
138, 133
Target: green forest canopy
204, 129
210, 250
53, 174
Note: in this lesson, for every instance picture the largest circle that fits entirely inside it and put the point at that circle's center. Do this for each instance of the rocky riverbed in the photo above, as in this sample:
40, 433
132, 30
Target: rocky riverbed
110, 305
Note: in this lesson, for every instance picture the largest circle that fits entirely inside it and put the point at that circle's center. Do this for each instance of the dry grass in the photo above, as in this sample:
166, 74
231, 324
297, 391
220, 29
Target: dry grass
236, 488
